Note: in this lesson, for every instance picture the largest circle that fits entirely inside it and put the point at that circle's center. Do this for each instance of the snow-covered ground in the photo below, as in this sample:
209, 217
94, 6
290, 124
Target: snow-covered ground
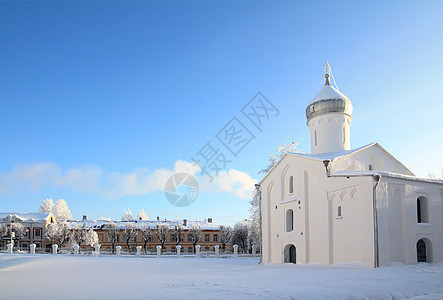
128, 277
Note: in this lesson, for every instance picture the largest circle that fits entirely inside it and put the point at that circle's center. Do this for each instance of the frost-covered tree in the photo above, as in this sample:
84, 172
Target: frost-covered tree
78, 236
275, 158
130, 234
142, 215
51, 232
195, 234
91, 238
254, 234
46, 206
146, 233
63, 233
61, 211
225, 233
435, 174
58, 233
112, 230
19, 231
127, 215
4, 230
178, 231
162, 231
241, 235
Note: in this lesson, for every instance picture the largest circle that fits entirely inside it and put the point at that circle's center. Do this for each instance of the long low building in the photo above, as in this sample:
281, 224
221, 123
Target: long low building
210, 235
35, 226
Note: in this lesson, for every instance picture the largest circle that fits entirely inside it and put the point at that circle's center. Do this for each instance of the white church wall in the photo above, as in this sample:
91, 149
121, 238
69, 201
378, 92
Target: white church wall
352, 232
399, 230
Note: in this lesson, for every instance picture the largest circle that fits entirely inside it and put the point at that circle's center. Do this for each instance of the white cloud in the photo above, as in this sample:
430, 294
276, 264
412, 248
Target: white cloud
141, 181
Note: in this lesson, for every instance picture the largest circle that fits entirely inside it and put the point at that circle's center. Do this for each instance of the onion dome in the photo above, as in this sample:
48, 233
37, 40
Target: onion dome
328, 100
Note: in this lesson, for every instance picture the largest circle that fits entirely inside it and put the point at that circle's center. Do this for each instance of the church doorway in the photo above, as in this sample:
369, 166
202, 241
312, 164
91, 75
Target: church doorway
290, 254
424, 250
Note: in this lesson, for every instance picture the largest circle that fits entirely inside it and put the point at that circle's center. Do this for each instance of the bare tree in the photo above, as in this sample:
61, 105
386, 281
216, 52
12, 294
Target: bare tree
254, 234
113, 233
58, 233
19, 231
178, 231
4, 231
146, 232
130, 234
275, 158
162, 231
62, 233
195, 234
78, 236
241, 235
51, 232
225, 233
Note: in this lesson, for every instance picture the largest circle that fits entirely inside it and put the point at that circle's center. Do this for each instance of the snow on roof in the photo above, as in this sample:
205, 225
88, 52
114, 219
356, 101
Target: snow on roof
100, 224
328, 92
385, 174
26, 216
332, 156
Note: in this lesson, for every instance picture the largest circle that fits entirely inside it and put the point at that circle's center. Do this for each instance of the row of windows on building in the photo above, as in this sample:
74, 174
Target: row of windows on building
207, 238
36, 236
422, 213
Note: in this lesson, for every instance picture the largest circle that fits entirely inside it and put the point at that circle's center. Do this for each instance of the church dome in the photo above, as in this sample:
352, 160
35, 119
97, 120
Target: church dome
328, 100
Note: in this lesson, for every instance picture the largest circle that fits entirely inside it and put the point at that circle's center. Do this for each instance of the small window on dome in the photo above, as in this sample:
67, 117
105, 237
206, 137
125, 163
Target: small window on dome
311, 108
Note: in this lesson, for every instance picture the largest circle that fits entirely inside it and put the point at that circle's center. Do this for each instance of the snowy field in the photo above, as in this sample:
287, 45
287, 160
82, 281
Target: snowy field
128, 277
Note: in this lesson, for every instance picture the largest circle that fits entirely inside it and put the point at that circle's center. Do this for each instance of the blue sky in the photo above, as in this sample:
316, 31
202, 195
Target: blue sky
97, 95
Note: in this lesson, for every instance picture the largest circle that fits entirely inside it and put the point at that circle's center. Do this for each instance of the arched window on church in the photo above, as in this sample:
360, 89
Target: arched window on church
289, 220
422, 210
291, 184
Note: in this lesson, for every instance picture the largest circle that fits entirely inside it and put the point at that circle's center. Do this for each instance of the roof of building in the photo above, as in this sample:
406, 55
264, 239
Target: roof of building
328, 100
385, 174
100, 224
335, 156
26, 216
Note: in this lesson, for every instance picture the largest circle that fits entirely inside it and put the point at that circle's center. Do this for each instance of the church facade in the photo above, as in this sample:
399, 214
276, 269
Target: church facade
347, 205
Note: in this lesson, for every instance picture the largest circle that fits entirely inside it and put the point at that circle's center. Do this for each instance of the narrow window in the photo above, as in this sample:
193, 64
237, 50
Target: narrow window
289, 220
339, 212
371, 167
422, 210
291, 185
344, 136
315, 137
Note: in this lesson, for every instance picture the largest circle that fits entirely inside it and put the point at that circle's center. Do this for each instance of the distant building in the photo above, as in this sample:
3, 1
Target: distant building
35, 225
341, 205
210, 236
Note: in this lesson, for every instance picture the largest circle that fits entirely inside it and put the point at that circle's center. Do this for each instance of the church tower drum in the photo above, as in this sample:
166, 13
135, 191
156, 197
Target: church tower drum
329, 117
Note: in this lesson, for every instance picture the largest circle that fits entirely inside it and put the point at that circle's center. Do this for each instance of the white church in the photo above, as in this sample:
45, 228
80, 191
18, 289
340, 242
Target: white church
347, 205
